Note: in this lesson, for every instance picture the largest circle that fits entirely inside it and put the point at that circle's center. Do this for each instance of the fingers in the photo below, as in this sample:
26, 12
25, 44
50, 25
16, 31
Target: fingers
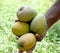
16, 20
20, 51
30, 50
39, 37
17, 37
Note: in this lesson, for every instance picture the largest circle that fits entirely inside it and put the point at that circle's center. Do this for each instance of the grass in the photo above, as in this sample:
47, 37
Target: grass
8, 9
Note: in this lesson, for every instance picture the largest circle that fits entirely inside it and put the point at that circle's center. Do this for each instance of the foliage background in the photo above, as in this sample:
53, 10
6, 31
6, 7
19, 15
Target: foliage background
8, 9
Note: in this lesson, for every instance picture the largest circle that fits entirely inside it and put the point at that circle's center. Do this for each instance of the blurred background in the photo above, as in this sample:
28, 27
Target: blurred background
8, 9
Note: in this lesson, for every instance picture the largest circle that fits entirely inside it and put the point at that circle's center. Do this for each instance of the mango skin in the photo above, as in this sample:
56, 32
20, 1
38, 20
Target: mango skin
26, 13
20, 28
27, 40
38, 24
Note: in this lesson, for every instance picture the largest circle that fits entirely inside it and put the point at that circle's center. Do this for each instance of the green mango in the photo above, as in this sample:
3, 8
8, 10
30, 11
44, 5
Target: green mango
38, 24
26, 13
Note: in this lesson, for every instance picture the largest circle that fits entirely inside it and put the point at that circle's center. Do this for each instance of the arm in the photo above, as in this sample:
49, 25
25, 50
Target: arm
52, 15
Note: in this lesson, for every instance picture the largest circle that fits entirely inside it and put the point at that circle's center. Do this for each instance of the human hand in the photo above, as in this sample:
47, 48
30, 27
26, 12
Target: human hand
38, 38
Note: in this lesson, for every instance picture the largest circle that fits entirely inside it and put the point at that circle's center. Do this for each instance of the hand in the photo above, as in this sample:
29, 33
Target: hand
38, 38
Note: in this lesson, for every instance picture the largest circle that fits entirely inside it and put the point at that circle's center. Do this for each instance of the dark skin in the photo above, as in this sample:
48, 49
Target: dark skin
52, 16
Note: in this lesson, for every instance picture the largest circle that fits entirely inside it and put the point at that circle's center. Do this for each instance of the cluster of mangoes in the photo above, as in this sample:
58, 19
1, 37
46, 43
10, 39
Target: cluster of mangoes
28, 25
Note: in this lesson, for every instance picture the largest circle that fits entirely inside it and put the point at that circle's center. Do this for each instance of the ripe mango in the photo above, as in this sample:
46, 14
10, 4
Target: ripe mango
38, 24
26, 41
20, 28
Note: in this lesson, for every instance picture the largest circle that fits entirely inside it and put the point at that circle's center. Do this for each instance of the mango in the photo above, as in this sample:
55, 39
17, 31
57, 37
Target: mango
26, 13
26, 41
38, 24
20, 28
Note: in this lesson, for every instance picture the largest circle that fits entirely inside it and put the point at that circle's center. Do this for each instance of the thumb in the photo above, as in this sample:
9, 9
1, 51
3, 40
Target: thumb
39, 37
